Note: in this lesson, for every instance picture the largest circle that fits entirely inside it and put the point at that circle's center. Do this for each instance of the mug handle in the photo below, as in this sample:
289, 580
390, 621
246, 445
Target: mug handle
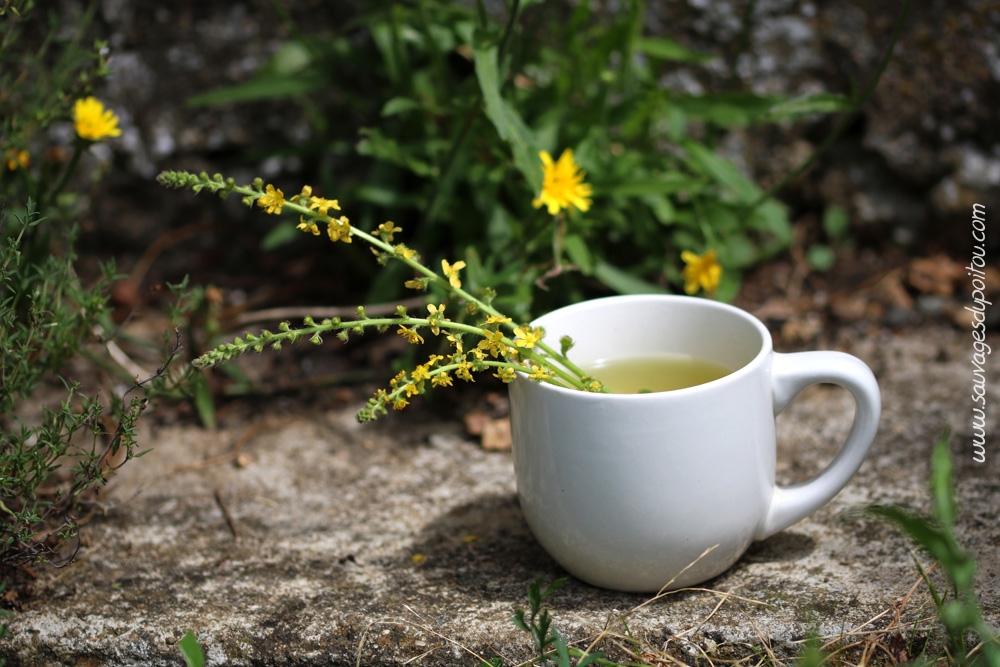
790, 374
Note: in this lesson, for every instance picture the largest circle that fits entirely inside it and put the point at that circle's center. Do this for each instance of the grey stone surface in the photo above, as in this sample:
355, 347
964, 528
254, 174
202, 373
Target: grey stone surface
317, 566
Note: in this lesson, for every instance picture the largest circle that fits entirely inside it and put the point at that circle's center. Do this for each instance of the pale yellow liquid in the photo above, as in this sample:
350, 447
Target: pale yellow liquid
639, 375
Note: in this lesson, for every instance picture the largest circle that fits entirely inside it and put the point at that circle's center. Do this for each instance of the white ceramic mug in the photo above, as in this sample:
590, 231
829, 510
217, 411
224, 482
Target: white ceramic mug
628, 491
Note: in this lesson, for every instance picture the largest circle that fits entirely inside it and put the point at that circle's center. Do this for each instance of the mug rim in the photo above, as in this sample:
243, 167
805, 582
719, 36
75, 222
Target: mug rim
766, 347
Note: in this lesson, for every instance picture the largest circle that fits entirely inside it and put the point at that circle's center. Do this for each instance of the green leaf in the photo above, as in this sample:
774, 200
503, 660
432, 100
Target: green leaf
942, 485
562, 651
726, 109
666, 184
579, 253
662, 48
274, 87
191, 650
376, 144
821, 257
282, 234
398, 105
203, 402
722, 171
506, 120
816, 103
622, 282
836, 224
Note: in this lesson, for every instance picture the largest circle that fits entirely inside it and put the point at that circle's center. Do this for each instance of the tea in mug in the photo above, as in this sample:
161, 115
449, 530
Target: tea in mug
665, 372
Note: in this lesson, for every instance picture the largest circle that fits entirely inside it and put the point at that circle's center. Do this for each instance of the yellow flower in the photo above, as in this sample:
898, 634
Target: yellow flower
410, 335
308, 226
456, 341
411, 389
386, 230
506, 374
92, 121
701, 271
540, 372
562, 184
399, 404
463, 372
451, 272
404, 252
441, 380
493, 343
320, 205
339, 229
14, 158
272, 200
421, 373
526, 337
435, 315
497, 319
416, 283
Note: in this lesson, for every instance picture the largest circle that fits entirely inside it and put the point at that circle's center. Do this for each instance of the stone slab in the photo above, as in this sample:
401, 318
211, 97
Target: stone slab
401, 542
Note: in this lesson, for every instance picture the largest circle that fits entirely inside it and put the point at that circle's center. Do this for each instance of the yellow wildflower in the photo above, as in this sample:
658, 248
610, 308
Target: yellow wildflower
14, 158
308, 226
321, 205
526, 337
464, 372
562, 184
399, 404
272, 200
540, 372
387, 229
451, 272
411, 389
421, 372
435, 315
410, 335
441, 380
701, 271
339, 229
416, 283
400, 377
92, 121
497, 319
404, 252
493, 343
456, 341
506, 374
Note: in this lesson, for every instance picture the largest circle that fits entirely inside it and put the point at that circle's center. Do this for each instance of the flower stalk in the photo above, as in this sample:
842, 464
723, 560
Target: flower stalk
500, 344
